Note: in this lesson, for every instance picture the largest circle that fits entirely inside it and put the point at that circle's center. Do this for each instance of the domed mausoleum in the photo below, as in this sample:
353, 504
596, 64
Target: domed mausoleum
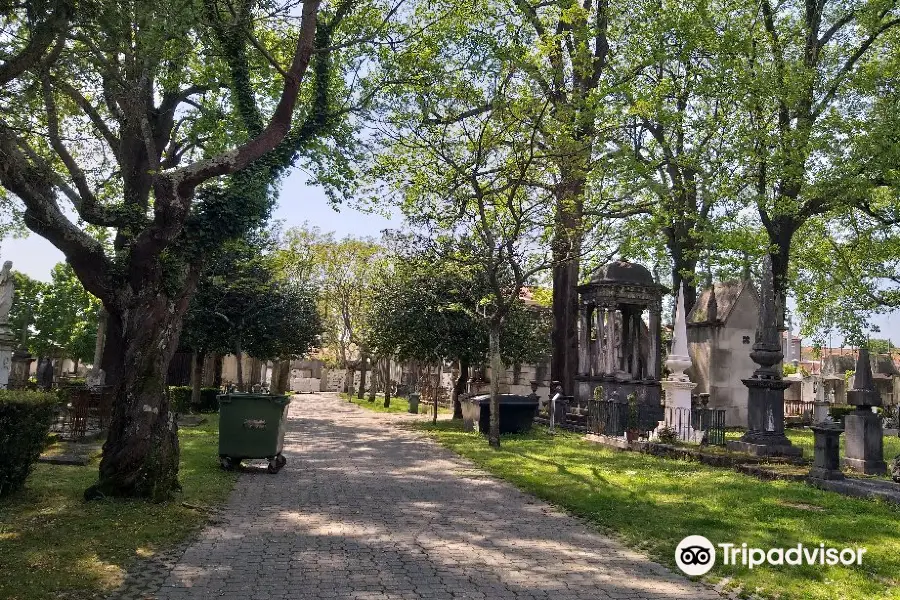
619, 336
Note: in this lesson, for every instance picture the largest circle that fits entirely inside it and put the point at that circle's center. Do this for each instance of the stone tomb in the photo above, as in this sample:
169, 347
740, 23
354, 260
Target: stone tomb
618, 351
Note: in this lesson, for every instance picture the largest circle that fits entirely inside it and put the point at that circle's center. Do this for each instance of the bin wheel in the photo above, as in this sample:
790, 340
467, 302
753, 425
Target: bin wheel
226, 463
276, 464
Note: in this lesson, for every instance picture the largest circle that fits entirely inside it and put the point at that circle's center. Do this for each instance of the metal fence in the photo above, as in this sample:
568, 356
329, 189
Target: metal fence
608, 417
698, 425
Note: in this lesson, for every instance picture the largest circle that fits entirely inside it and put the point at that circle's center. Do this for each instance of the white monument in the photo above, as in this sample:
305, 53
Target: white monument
677, 385
7, 339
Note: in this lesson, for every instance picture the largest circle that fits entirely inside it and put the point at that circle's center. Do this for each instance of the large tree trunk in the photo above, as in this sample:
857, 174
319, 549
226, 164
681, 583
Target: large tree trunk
682, 264
217, 371
459, 387
281, 372
436, 392
361, 393
496, 368
373, 383
113, 362
196, 377
239, 356
566, 249
564, 335
140, 456
386, 378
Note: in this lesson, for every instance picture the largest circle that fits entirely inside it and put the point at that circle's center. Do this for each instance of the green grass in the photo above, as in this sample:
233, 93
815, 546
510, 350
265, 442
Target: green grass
398, 405
803, 438
652, 503
55, 545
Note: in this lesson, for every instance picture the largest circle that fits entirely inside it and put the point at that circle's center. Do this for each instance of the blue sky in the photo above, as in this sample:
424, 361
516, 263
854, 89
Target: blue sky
298, 203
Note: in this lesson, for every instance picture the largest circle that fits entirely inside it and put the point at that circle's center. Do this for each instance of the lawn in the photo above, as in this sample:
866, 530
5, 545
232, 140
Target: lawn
652, 503
398, 405
803, 438
55, 545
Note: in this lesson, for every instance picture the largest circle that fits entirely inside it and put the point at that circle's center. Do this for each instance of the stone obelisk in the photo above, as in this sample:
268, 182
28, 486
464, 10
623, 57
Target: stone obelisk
677, 385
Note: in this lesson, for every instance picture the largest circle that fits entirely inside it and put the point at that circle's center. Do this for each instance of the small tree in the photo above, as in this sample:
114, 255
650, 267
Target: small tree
465, 184
241, 307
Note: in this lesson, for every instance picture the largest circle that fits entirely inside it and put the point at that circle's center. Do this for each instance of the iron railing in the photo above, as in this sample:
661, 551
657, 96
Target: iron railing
697, 425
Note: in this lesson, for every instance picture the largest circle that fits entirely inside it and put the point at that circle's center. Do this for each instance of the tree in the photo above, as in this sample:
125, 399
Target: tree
161, 108
671, 178
66, 318
465, 186
344, 272
242, 307
551, 64
57, 319
810, 69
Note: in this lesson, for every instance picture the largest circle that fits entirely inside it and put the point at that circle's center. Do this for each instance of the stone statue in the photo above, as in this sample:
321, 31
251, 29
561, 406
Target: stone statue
6, 291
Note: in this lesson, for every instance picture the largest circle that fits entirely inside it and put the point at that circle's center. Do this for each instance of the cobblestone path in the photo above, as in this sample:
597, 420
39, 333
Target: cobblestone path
369, 511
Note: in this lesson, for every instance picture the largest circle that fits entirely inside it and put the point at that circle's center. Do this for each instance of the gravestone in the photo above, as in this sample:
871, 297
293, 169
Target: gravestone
865, 436
765, 389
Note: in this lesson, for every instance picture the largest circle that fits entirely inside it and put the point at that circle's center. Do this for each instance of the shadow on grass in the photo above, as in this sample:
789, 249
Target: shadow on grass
53, 544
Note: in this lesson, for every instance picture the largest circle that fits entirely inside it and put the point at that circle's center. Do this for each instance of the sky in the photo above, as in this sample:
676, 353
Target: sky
298, 203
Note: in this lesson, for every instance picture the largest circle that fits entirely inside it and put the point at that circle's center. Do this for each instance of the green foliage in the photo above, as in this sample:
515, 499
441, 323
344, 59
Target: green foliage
59, 318
344, 272
838, 412
428, 309
25, 419
880, 346
241, 306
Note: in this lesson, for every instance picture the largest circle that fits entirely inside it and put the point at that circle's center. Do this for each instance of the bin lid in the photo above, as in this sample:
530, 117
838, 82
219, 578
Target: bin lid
504, 399
275, 399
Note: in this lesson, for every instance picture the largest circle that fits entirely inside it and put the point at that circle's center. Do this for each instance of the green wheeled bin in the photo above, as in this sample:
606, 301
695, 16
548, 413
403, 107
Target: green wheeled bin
252, 426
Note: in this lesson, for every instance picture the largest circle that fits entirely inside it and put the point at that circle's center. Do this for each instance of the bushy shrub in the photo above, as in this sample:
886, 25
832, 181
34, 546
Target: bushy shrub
180, 399
839, 412
25, 419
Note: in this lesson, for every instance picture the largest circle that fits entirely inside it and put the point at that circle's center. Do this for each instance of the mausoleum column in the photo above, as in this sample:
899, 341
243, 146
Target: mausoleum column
584, 339
653, 354
610, 340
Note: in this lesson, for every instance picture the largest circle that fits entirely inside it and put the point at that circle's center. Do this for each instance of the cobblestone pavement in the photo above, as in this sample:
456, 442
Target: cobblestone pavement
369, 511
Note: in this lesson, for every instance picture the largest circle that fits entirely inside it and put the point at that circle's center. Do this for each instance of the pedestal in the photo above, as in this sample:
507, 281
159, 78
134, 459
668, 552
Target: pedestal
820, 411
21, 368
827, 454
678, 406
765, 420
7, 343
865, 442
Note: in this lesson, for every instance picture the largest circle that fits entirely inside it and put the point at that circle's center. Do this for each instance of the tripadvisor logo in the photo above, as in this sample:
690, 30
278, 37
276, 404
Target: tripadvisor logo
695, 555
